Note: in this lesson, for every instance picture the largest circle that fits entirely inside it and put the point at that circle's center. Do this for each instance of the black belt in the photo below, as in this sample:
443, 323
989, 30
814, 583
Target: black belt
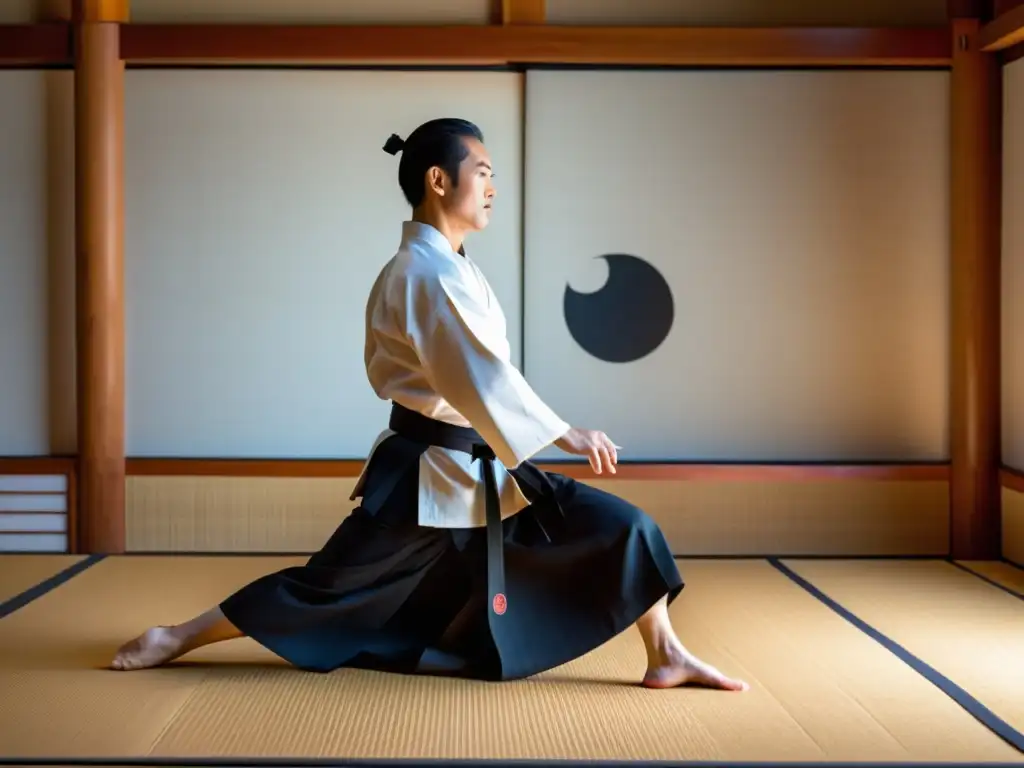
421, 429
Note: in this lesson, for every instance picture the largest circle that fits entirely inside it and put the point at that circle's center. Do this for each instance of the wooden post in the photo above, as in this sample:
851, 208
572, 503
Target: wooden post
975, 174
523, 12
99, 258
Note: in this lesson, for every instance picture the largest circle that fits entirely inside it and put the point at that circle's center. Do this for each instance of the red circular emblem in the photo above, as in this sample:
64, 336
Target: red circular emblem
500, 604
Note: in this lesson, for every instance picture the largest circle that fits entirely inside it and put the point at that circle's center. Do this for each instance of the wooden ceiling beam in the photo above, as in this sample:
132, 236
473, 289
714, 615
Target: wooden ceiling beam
511, 44
35, 45
1004, 31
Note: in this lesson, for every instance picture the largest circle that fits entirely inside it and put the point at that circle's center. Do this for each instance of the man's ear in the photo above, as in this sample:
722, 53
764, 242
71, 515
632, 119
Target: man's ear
435, 180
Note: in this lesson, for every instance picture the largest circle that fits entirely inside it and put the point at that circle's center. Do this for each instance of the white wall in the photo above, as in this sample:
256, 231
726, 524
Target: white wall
810, 282
260, 208
1013, 265
800, 219
36, 262
23, 259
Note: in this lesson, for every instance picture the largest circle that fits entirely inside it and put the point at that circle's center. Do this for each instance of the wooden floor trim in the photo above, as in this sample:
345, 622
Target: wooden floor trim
348, 468
195, 467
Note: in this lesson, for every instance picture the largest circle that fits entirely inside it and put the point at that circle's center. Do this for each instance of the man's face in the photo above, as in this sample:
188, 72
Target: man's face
469, 203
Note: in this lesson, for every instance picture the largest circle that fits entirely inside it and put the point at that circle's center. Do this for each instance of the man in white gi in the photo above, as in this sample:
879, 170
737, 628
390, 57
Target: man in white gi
462, 557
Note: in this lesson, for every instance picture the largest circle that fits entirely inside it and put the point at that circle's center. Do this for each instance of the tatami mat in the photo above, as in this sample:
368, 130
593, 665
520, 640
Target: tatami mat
1005, 575
58, 698
822, 689
970, 631
21, 572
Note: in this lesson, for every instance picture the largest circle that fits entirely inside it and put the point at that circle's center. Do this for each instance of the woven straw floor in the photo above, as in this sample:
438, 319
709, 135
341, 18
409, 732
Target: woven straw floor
878, 661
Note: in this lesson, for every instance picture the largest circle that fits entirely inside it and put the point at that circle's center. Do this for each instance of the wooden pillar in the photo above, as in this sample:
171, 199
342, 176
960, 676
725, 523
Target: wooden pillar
976, 127
99, 258
523, 11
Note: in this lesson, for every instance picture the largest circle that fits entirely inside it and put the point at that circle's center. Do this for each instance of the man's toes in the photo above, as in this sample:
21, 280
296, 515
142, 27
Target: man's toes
735, 685
718, 680
125, 654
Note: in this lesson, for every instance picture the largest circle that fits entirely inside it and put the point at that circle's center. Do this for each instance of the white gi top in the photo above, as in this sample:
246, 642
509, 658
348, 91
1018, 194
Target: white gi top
436, 343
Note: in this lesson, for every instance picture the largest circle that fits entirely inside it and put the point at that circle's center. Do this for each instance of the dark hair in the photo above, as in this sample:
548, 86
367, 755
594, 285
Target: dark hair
437, 142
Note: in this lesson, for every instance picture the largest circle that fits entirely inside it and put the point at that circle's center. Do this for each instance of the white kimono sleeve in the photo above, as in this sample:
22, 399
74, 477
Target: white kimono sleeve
464, 355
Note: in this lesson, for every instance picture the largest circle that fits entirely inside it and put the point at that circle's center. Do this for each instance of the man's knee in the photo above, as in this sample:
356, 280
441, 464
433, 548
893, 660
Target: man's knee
598, 504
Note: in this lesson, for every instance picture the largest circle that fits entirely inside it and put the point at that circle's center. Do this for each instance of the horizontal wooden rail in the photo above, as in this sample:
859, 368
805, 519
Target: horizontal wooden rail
1004, 31
1011, 54
50, 43
35, 45
629, 471
226, 44
1012, 479
37, 465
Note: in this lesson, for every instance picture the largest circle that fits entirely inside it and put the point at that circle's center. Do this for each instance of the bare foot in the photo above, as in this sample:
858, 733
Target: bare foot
679, 667
152, 648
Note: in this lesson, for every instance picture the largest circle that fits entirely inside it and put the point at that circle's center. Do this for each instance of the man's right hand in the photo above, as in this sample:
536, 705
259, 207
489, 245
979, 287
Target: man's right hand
593, 444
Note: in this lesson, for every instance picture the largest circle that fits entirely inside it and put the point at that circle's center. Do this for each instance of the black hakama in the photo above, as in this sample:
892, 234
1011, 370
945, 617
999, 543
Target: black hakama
506, 601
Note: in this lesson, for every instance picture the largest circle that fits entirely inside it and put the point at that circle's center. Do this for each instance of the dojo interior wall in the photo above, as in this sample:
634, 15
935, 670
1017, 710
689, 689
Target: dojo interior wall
1012, 338
800, 221
807, 259
37, 386
24, 296
810, 283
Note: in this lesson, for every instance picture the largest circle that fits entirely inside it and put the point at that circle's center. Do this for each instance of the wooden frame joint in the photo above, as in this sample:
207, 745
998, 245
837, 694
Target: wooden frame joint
523, 12
91, 11
1004, 31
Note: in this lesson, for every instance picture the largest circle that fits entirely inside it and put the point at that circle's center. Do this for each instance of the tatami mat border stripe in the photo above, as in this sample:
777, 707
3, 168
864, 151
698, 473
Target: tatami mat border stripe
986, 579
677, 556
979, 711
48, 585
